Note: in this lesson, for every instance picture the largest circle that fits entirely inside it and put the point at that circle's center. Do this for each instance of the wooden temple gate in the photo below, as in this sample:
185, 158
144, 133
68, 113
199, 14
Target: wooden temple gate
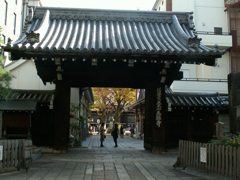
110, 48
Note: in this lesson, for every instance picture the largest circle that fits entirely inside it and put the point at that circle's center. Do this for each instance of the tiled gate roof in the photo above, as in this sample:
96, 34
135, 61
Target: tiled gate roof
111, 31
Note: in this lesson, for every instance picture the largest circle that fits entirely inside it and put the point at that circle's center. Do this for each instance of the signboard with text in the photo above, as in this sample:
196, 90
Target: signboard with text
1, 152
203, 154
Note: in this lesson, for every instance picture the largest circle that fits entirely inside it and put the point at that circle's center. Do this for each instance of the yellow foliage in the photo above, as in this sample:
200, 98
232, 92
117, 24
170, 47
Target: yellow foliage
113, 99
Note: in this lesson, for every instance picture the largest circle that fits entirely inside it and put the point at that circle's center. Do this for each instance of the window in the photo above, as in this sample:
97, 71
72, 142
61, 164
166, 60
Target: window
159, 8
217, 30
5, 12
131, 118
15, 1
14, 23
162, 2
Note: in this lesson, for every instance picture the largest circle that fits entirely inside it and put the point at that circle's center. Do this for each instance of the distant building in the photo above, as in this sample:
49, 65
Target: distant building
232, 10
212, 22
14, 13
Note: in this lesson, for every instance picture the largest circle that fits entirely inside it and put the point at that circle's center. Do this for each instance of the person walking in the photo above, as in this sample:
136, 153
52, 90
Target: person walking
132, 131
102, 134
115, 134
121, 131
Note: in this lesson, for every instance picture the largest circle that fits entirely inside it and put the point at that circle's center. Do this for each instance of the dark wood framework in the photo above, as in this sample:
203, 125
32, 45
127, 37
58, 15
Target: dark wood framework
148, 72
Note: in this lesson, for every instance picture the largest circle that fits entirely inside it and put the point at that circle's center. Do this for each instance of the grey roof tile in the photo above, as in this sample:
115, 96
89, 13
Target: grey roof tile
197, 100
112, 31
193, 100
41, 96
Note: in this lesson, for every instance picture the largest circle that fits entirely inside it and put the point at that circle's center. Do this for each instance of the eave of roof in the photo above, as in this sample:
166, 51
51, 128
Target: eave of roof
14, 64
69, 30
18, 105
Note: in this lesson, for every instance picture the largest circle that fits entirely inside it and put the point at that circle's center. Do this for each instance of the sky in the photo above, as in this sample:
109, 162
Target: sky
102, 4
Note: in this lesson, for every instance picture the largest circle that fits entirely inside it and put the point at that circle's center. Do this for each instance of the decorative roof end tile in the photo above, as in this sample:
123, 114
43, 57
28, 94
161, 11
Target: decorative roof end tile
190, 21
32, 37
194, 42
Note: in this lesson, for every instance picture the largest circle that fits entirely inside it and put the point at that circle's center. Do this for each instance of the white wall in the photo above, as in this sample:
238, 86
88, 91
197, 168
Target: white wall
162, 5
183, 5
207, 13
26, 77
211, 12
199, 87
35, 3
223, 41
222, 69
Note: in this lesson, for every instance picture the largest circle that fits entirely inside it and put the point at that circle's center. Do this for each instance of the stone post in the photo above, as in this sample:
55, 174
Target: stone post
234, 101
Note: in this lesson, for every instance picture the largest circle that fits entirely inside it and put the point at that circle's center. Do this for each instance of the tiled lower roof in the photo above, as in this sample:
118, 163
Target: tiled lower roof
41, 96
194, 100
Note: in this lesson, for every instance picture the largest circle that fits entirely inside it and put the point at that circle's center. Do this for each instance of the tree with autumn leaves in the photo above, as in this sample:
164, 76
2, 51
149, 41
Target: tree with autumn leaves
112, 99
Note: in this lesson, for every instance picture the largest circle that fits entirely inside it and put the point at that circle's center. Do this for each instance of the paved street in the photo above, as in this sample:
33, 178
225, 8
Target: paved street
129, 161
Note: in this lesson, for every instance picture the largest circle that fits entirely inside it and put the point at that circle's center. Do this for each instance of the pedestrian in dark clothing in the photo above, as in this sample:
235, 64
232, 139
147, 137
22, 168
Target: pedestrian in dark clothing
115, 133
102, 134
132, 131
121, 131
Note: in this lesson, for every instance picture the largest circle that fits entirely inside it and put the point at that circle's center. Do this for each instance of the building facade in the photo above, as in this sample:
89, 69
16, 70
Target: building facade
10, 11
212, 22
232, 8
14, 13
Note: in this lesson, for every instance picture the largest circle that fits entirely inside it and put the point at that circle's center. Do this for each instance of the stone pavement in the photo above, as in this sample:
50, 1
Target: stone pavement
128, 161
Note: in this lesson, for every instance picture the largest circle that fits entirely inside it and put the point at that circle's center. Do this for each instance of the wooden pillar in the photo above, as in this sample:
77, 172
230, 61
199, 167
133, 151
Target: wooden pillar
61, 118
154, 125
141, 118
136, 116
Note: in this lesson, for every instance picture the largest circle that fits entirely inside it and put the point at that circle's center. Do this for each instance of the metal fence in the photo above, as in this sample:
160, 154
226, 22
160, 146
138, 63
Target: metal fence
217, 159
15, 153
212, 33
